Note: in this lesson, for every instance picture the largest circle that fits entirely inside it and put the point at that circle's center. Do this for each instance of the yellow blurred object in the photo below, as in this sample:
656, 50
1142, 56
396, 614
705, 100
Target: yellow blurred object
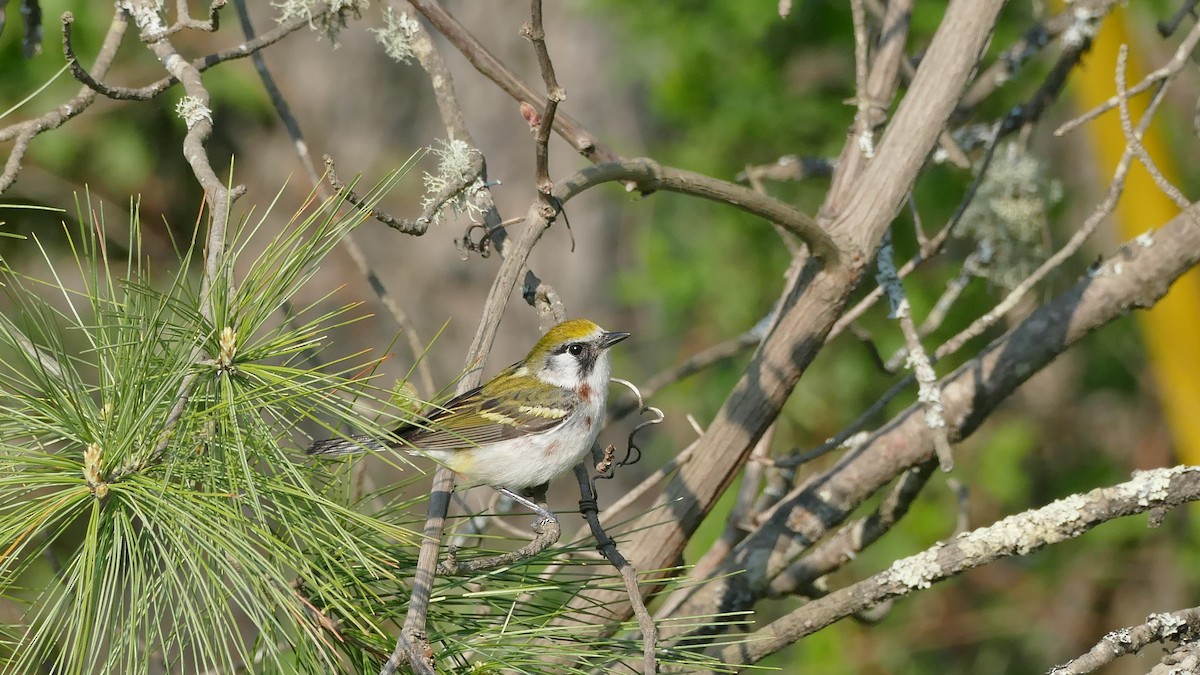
1172, 328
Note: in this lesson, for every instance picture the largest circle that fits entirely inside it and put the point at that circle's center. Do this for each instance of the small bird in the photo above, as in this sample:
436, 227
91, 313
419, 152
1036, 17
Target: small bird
531, 423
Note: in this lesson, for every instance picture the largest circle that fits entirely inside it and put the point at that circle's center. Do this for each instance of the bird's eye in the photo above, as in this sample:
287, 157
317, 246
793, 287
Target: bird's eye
575, 349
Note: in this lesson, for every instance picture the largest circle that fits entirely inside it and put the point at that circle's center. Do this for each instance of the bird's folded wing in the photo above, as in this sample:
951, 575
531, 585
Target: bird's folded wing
480, 416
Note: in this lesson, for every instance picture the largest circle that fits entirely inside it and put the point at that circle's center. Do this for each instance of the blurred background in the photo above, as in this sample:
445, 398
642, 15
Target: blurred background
714, 88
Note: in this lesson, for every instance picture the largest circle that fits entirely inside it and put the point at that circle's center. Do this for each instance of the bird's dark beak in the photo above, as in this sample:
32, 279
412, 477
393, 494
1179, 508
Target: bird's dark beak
609, 339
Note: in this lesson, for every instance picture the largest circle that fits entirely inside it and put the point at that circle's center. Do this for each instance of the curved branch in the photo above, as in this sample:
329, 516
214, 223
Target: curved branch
26, 131
200, 64
650, 175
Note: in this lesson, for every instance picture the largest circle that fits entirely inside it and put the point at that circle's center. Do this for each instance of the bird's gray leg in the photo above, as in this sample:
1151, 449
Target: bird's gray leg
528, 503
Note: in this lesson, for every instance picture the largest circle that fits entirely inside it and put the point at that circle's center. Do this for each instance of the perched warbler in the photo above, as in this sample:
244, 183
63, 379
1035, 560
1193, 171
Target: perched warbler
529, 424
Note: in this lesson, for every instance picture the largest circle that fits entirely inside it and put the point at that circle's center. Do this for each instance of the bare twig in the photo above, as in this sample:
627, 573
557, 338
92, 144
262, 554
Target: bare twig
1133, 139
535, 32
184, 20
790, 167
24, 132
416, 227
200, 64
1167, 71
928, 392
584, 142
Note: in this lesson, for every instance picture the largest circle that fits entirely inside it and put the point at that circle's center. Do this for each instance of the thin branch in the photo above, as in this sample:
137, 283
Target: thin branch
1180, 59
24, 132
928, 391
200, 64
1133, 139
584, 142
416, 227
790, 168
535, 32
546, 534
654, 176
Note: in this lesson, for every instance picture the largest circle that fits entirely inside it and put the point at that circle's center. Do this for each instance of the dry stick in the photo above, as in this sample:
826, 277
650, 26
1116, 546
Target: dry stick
200, 64
1015, 535
928, 392
1133, 140
486, 63
183, 18
1179, 626
864, 127
789, 167
1168, 71
535, 32
24, 132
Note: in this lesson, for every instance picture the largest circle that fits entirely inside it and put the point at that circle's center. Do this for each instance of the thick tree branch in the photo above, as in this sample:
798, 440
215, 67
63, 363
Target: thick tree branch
1020, 534
1136, 276
810, 306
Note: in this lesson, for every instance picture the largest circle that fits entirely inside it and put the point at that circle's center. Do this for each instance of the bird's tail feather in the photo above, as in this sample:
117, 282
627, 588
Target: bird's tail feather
345, 446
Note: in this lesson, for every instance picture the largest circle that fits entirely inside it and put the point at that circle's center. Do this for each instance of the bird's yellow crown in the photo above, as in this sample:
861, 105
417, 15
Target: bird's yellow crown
572, 330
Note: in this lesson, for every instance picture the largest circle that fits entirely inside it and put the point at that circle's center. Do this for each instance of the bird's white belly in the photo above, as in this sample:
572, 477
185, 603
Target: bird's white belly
525, 462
